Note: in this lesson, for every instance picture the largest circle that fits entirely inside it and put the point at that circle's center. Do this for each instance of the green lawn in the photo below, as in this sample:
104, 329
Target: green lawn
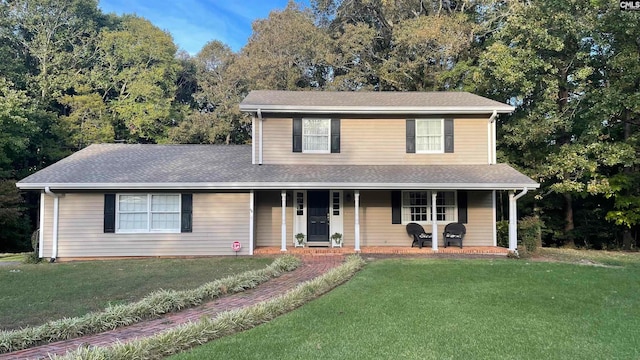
13, 257
458, 309
34, 294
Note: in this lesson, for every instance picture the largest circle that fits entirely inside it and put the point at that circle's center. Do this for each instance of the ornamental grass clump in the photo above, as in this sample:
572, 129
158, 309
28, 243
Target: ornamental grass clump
152, 306
188, 335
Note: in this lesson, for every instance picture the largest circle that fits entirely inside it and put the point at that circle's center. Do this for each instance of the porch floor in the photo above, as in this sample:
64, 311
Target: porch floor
468, 250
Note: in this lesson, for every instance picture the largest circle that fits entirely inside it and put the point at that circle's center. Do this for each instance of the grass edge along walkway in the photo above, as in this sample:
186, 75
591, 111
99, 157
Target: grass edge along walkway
186, 336
152, 306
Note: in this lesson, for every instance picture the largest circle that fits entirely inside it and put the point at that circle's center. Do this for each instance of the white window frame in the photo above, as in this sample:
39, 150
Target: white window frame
149, 213
327, 150
407, 218
441, 135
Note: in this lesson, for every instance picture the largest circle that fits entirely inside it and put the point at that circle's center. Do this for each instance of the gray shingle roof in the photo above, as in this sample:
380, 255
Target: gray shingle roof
124, 166
369, 102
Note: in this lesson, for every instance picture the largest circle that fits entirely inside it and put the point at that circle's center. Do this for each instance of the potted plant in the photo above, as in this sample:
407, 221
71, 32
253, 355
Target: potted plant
299, 239
337, 240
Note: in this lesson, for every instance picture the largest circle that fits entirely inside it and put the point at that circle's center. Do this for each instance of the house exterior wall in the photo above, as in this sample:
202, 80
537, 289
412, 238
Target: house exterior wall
376, 228
218, 220
386, 136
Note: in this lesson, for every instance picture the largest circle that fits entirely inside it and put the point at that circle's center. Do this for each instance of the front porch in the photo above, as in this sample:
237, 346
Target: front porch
390, 250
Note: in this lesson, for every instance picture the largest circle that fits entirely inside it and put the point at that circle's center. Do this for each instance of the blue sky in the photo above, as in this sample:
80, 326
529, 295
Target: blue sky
193, 23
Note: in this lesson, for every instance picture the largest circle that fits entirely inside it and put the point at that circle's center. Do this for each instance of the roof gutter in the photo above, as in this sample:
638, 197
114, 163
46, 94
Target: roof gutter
389, 110
281, 185
56, 207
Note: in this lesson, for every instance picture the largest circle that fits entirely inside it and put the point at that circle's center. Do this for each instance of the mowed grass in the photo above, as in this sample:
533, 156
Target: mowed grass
12, 256
35, 294
457, 309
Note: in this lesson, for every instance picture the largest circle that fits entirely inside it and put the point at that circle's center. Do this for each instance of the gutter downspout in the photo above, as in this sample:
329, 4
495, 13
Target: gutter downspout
513, 219
253, 140
491, 134
259, 113
56, 206
41, 228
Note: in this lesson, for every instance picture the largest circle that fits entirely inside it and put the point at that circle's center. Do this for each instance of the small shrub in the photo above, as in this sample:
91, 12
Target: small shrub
530, 233
502, 230
31, 258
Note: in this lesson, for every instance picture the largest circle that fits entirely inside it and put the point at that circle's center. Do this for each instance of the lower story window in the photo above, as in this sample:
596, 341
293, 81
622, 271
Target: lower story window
416, 206
148, 213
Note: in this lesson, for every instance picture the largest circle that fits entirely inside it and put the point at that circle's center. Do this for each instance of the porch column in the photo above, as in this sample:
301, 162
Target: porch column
513, 218
41, 228
356, 199
434, 221
513, 223
283, 195
251, 222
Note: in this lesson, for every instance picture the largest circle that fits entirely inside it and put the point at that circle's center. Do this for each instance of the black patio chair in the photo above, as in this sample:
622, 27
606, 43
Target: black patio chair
420, 237
454, 232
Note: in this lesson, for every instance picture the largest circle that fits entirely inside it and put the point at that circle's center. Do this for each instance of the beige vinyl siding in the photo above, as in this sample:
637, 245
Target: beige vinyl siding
376, 142
48, 226
218, 220
269, 219
480, 217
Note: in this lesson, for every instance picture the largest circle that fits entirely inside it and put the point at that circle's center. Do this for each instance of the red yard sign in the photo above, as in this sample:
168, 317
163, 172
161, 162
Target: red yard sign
236, 246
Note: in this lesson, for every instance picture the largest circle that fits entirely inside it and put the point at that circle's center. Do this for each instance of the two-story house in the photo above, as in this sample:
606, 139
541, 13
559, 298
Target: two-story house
362, 164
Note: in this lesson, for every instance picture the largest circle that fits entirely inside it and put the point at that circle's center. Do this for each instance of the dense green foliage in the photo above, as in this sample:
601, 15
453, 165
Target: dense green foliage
458, 309
71, 76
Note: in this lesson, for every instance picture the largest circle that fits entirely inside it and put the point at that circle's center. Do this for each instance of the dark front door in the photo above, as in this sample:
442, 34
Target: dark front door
317, 212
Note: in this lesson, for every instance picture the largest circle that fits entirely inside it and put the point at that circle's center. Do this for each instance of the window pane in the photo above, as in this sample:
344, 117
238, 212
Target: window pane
316, 127
133, 203
416, 206
165, 203
316, 134
135, 221
429, 135
164, 221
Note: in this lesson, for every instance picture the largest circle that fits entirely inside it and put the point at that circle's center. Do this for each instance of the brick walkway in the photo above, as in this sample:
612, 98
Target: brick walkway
312, 266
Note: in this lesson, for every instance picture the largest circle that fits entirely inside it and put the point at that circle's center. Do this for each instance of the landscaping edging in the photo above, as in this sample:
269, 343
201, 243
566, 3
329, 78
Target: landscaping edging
189, 335
152, 306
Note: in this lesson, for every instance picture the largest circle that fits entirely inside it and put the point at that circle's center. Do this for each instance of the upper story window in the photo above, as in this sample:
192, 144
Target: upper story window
148, 213
416, 206
316, 135
429, 136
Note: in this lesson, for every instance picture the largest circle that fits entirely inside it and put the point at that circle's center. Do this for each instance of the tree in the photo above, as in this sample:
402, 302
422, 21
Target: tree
215, 117
57, 38
137, 75
286, 51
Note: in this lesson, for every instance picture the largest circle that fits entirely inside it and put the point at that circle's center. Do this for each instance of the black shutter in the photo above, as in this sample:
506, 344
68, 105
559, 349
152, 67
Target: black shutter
187, 213
411, 136
109, 213
462, 207
448, 135
297, 135
335, 135
396, 207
